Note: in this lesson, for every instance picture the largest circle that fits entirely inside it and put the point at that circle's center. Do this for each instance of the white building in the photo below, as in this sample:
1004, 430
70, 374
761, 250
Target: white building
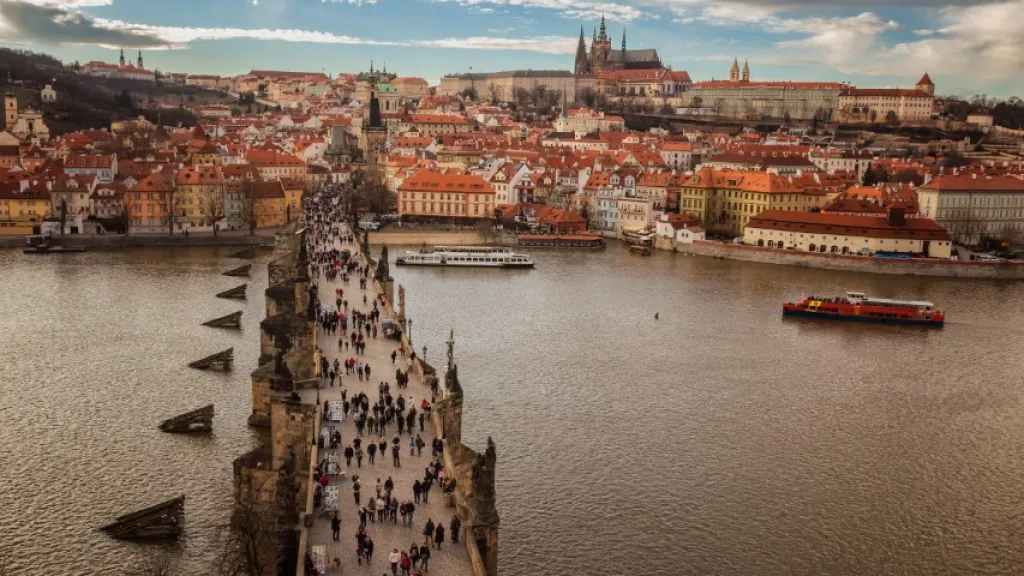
679, 155
48, 94
972, 206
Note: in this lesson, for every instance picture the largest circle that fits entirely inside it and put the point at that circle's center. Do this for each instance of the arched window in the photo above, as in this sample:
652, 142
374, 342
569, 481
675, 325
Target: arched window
821, 248
811, 248
761, 243
835, 249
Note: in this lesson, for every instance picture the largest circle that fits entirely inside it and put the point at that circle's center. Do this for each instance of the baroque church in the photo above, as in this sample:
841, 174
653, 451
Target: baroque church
602, 58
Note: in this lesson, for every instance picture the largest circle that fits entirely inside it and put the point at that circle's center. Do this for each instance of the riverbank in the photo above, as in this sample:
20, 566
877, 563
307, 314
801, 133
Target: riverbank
851, 263
118, 241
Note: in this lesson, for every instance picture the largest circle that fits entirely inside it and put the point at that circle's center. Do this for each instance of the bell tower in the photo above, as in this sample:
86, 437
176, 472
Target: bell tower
746, 71
734, 72
122, 57
10, 110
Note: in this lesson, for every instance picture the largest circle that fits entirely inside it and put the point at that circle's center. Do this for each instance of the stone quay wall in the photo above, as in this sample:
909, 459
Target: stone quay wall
279, 474
850, 263
474, 498
118, 241
429, 238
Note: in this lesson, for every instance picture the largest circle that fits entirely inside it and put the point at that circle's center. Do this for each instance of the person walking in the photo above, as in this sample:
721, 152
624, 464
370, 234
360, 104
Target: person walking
453, 528
359, 457
335, 526
428, 532
425, 557
439, 535
394, 558
410, 509
371, 452
396, 460
348, 456
355, 489
405, 563
414, 554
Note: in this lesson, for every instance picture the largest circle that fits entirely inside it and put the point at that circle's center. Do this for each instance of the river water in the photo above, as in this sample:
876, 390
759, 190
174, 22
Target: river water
718, 439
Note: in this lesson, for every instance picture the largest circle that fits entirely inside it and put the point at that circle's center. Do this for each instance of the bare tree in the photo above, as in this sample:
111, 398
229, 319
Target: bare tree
211, 205
172, 201
161, 563
249, 205
254, 545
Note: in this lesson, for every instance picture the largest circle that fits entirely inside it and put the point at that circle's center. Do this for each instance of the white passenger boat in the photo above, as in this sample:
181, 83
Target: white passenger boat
469, 256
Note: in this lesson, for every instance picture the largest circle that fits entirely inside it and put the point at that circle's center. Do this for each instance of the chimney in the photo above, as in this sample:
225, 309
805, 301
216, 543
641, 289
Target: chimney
896, 215
974, 176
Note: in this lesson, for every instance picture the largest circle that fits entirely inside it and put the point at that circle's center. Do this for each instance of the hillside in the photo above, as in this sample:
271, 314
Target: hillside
86, 102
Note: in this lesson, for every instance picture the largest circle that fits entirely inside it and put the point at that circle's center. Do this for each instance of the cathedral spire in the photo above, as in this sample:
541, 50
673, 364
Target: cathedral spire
581, 55
122, 57
734, 72
604, 33
140, 59
623, 40
746, 71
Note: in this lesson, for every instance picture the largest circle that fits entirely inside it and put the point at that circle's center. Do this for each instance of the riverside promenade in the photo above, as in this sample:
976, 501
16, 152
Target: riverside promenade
453, 558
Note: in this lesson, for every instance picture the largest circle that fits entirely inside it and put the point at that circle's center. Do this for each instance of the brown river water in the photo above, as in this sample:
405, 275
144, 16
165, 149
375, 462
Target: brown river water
718, 439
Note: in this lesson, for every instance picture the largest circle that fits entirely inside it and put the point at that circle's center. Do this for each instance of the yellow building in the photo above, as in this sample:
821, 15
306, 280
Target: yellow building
200, 195
727, 199
292, 197
429, 193
22, 210
269, 204
411, 87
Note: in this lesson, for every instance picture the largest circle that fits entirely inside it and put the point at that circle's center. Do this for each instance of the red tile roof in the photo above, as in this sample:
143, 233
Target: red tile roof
847, 225
973, 182
428, 181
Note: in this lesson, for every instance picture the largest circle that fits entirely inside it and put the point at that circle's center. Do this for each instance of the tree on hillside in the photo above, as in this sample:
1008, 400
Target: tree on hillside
587, 97
908, 176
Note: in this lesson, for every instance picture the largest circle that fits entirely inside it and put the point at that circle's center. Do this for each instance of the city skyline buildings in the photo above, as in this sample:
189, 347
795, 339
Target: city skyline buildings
968, 47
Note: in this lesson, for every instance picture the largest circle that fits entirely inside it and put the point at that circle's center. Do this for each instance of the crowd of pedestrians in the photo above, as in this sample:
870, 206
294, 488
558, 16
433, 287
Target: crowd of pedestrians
386, 426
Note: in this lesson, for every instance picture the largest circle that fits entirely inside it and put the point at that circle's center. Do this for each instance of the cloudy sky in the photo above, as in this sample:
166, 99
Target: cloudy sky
967, 46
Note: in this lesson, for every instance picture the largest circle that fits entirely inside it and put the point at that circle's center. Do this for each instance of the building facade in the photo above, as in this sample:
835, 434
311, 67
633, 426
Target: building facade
848, 234
726, 200
429, 193
973, 207
888, 105
741, 98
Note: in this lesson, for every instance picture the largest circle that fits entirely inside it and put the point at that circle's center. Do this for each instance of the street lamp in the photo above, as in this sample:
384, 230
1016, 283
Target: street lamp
409, 335
424, 352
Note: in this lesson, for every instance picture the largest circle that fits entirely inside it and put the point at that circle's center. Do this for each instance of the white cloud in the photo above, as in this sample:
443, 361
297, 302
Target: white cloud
977, 42
179, 37
573, 9
69, 4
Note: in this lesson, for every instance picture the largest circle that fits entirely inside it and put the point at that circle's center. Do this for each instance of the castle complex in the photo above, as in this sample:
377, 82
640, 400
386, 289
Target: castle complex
601, 57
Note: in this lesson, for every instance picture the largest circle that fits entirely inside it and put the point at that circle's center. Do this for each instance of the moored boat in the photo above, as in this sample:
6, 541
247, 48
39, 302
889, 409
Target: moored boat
467, 256
44, 245
858, 307
640, 249
561, 241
